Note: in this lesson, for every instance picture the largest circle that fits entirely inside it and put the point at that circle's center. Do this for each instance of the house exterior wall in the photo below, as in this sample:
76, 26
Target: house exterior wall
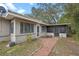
4, 29
21, 37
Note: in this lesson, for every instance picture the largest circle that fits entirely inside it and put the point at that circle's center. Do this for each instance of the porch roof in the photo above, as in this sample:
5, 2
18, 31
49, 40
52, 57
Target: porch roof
12, 14
59, 24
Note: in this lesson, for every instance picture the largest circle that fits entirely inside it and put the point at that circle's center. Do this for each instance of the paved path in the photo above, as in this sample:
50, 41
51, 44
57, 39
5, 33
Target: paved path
47, 45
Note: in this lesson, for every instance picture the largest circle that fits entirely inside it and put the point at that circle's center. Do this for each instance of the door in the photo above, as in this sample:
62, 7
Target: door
56, 31
37, 30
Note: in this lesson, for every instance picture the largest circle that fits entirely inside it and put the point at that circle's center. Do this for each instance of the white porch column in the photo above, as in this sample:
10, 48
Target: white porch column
35, 31
13, 35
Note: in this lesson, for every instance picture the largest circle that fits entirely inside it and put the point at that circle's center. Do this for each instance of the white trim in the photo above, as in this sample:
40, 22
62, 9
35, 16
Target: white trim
13, 35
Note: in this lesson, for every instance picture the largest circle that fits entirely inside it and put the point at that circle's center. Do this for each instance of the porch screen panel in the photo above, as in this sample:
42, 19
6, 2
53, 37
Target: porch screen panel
31, 28
50, 29
0, 25
62, 29
12, 28
21, 27
26, 28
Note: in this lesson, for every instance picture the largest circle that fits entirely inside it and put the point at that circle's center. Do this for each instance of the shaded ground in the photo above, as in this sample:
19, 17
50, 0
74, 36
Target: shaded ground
65, 47
20, 49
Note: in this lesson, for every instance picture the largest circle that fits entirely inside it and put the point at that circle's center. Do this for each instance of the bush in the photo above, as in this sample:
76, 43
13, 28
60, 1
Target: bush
29, 38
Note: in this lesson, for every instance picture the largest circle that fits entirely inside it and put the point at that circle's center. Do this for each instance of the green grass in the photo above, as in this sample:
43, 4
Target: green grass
76, 38
23, 49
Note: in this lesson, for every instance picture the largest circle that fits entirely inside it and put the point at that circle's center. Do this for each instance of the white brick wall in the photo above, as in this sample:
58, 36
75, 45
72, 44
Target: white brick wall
50, 34
63, 35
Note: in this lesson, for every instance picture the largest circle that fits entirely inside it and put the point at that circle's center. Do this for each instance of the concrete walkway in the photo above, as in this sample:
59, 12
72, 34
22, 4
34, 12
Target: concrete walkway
47, 45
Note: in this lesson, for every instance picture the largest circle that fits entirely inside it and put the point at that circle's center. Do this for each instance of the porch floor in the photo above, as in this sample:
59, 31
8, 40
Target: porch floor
47, 45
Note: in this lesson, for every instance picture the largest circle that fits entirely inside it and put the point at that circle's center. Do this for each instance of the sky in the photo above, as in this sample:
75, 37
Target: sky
22, 8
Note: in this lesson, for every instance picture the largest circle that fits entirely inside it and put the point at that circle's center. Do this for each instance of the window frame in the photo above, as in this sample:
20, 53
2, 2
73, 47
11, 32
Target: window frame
26, 28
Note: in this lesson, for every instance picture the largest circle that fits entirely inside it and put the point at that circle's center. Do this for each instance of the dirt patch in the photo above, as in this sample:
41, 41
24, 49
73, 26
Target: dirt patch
65, 47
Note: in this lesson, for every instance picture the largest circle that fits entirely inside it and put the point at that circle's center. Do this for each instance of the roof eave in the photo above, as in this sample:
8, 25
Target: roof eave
23, 17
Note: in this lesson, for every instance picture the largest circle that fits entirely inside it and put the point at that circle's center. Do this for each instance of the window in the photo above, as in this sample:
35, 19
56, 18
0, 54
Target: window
26, 28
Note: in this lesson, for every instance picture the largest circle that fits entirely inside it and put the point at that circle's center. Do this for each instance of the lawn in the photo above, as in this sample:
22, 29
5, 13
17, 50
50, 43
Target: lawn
65, 47
23, 49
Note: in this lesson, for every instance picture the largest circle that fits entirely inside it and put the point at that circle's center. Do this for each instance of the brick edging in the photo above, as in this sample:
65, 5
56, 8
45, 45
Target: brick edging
35, 51
52, 48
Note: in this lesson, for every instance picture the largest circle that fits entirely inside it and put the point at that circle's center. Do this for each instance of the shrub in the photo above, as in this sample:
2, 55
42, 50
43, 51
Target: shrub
29, 38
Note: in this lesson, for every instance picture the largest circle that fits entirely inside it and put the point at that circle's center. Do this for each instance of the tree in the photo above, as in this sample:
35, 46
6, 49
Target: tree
71, 15
47, 11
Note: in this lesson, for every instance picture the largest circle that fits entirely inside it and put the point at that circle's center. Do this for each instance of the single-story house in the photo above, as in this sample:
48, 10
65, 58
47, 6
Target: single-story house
16, 27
